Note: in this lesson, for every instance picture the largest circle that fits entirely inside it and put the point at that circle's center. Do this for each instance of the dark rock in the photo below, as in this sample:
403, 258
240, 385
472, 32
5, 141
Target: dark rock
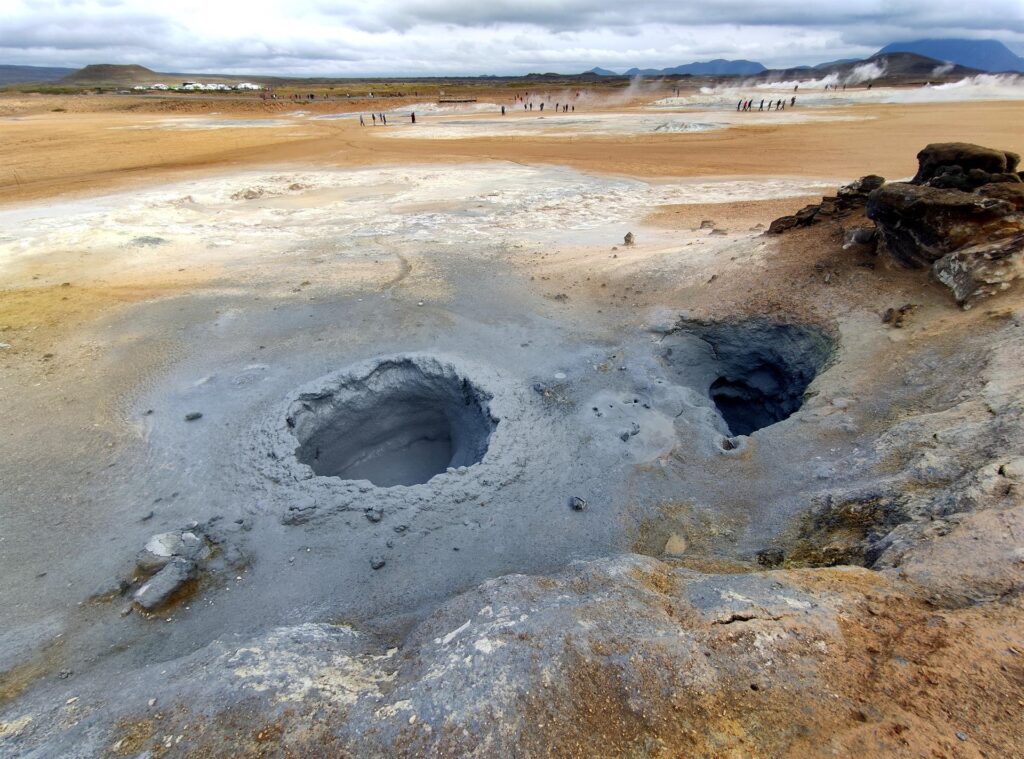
856, 193
377, 562
922, 224
782, 224
806, 215
1007, 192
628, 239
161, 587
1005, 179
192, 416
861, 238
970, 236
771, 557
847, 199
895, 317
827, 207
936, 159
577, 504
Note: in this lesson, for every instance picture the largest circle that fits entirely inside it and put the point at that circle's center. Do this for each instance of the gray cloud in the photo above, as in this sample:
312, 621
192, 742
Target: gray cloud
349, 37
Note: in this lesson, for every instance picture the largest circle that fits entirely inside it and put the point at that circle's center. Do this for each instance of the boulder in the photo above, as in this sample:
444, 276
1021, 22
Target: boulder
781, 224
161, 587
962, 217
860, 238
161, 548
921, 224
937, 160
982, 270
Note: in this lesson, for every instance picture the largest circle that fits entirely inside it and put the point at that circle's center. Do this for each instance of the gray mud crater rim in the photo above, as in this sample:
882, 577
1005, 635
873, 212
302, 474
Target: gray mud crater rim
402, 422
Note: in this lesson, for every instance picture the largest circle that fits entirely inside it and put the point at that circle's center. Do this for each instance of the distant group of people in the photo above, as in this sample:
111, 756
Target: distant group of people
382, 119
377, 118
779, 105
559, 107
524, 98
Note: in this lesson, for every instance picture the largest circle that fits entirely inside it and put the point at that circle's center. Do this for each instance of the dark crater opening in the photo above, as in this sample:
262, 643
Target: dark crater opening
402, 423
762, 369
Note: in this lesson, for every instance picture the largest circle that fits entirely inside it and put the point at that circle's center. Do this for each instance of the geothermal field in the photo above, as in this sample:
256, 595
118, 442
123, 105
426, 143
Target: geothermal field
652, 427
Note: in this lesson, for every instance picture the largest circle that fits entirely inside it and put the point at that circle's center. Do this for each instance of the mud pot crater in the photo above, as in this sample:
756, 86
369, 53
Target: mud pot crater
758, 371
402, 422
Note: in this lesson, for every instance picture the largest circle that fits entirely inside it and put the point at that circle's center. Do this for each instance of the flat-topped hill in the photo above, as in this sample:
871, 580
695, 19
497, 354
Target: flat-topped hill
111, 73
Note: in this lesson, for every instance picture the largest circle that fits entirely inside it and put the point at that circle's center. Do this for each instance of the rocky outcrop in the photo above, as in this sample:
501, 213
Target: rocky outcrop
964, 166
961, 216
849, 198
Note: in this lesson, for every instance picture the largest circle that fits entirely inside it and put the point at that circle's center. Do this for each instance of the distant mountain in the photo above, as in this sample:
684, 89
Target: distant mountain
717, 67
602, 72
878, 68
31, 74
984, 55
110, 73
839, 62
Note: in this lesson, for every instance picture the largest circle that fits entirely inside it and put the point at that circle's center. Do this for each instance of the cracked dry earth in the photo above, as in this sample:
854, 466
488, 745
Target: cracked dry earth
449, 470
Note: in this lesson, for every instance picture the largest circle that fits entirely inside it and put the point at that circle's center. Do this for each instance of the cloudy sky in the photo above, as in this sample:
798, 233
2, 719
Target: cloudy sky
352, 37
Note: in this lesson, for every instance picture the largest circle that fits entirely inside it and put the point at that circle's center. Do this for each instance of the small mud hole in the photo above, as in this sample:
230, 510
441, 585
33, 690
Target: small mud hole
761, 369
401, 423
758, 399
